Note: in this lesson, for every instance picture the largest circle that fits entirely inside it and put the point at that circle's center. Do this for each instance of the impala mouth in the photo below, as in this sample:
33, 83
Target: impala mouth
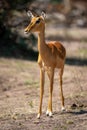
26, 32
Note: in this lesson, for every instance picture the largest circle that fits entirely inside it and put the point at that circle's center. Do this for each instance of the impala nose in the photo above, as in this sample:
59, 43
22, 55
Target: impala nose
25, 31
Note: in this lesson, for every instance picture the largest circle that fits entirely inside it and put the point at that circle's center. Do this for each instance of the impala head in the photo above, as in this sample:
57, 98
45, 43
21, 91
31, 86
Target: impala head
37, 23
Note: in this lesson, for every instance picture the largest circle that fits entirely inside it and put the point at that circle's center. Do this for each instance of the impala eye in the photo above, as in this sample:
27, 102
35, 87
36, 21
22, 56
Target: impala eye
38, 21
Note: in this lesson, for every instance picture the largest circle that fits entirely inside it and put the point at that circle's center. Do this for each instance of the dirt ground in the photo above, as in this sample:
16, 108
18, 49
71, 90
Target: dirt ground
19, 93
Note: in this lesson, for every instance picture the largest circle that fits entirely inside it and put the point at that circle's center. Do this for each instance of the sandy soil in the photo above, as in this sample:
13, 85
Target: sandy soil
19, 93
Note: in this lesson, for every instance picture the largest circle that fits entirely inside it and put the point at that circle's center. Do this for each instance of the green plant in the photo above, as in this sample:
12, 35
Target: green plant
31, 104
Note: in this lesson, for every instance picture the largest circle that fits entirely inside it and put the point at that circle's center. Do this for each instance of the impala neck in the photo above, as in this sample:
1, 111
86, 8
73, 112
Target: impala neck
41, 42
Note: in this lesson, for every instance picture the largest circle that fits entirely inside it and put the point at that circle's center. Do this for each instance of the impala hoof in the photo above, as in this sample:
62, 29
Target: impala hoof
63, 109
38, 116
49, 113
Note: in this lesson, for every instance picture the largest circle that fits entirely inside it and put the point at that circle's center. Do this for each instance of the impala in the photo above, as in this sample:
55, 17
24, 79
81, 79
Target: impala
51, 55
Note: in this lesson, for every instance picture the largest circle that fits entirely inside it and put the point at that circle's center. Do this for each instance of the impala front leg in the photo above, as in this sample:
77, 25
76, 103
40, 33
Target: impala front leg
51, 78
42, 75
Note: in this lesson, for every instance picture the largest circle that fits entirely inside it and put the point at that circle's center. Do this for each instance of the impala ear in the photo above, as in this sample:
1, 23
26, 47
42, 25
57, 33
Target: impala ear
43, 15
29, 13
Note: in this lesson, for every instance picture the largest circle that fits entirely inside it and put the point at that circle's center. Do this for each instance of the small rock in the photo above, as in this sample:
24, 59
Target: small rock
74, 106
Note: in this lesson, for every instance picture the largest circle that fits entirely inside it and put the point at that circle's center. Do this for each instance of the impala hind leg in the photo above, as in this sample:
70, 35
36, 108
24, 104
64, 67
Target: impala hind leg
61, 89
51, 78
42, 77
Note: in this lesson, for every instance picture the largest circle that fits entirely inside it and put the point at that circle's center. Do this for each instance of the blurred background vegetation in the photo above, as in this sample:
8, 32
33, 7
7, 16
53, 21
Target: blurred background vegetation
13, 20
